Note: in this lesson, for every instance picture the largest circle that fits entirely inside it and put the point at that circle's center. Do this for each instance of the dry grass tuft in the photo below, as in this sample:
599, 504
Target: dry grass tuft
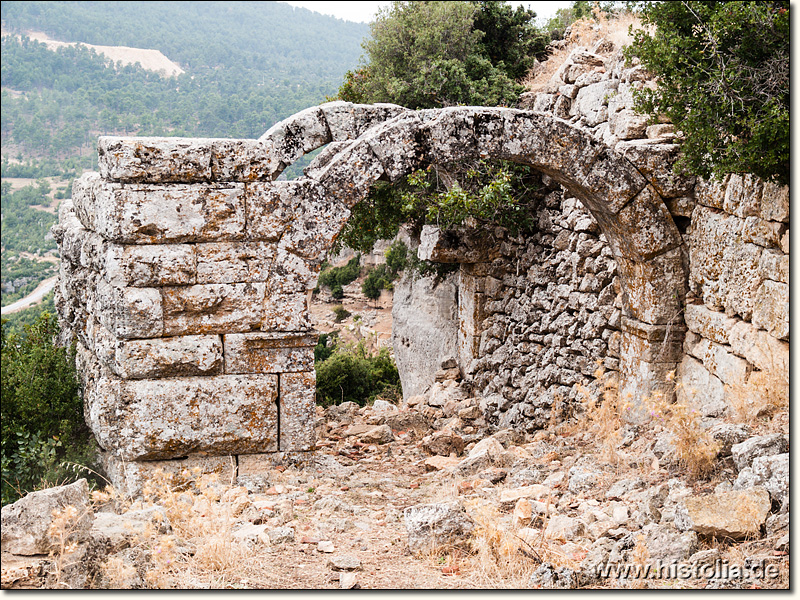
764, 395
696, 449
603, 416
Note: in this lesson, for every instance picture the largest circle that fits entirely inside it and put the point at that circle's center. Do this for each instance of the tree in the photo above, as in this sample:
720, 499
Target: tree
723, 80
433, 54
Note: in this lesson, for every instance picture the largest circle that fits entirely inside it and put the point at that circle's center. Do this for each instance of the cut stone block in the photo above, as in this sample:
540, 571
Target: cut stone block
132, 476
269, 352
181, 356
154, 159
158, 214
708, 323
243, 160
272, 207
130, 312
149, 266
771, 309
212, 308
154, 419
297, 414
234, 262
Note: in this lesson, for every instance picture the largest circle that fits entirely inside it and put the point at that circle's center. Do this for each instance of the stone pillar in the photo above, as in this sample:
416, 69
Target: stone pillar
187, 300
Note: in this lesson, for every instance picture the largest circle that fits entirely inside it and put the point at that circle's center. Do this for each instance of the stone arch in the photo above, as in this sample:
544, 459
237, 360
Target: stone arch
642, 235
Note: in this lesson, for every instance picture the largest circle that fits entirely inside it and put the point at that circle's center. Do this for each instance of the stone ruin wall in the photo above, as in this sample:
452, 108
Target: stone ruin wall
186, 269
549, 310
184, 275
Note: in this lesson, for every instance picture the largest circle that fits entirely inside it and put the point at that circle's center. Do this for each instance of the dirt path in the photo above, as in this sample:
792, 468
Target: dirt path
33, 298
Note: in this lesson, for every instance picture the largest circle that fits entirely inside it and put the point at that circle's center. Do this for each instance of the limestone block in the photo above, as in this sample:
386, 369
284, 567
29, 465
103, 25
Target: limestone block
349, 176
181, 356
627, 125
425, 328
771, 309
645, 227
711, 192
158, 214
612, 181
451, 135
297, 135
700, 389
348, 121
154, 159
269, 352
297, 410
323, 157
431, 527
154, 419
723, 268
655, 288
272, 207
244, 160
285, 312
775, 202
554, 147
761, 349
317, 224
234, 262
743, 195
764, 233
26, 522
292, 273
774, 265
212, 308
131, 477
661, 130
652, 343
721, 362
710, 324
148, 265
736, 514
130, 312
592, 101
655, 161
83, 199
396, 143
543, 102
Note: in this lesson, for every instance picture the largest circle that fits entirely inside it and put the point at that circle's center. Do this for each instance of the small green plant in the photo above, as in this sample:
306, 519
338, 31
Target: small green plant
341, 313
337, 277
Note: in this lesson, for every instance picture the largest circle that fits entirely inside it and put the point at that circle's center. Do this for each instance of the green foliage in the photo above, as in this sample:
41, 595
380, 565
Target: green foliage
341, 313
337, 277
723, 79
42, 423
239, 80
374, 282
396, 257
325, 346
486, 194
432, 54
352, 374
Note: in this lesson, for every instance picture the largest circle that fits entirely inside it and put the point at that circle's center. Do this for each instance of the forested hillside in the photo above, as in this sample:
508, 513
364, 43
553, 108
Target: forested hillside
247, 65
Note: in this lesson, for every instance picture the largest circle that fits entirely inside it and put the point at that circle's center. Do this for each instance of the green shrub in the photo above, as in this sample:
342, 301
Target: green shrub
337, 277
352, 374
341, 313
325, 346
42, 427
337, 292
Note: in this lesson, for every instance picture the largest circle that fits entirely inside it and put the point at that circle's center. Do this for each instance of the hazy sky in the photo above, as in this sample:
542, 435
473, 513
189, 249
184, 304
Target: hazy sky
364, 11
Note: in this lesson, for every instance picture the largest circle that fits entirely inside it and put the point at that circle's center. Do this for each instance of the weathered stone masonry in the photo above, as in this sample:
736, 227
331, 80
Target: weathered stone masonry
186, 268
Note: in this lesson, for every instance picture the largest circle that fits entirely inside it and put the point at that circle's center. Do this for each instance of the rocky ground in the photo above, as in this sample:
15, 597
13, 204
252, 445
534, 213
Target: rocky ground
427, 496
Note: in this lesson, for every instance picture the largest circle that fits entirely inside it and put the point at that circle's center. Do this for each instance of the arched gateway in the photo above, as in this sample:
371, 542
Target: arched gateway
186, 266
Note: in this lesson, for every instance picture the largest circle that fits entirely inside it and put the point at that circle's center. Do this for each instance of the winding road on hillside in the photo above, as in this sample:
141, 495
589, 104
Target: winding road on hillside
33, 298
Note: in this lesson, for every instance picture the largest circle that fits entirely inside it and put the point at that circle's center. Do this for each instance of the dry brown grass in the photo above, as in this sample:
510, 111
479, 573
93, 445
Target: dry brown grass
603, 416
764, 395
696, 449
